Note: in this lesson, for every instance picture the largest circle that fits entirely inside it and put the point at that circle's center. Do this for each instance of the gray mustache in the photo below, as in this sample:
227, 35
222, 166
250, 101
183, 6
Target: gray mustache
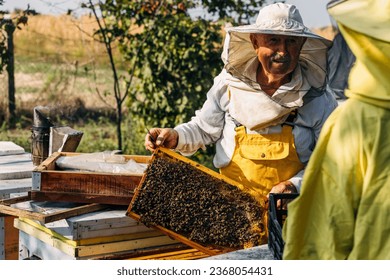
281, 58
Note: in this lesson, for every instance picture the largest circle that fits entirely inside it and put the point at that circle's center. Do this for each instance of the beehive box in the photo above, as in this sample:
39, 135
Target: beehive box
97, 225
46, 243
198, 206
49, 183
15, 179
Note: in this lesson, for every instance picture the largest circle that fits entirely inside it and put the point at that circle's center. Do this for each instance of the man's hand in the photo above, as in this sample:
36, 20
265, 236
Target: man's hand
161, 137
283, 187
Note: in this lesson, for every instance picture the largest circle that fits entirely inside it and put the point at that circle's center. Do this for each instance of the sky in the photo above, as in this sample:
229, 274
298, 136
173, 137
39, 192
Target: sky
313, 12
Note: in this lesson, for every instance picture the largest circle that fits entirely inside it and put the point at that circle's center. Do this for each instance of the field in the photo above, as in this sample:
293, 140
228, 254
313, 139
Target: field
59, 65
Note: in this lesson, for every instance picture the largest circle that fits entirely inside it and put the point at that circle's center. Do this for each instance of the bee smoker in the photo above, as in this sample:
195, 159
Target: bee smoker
40, 135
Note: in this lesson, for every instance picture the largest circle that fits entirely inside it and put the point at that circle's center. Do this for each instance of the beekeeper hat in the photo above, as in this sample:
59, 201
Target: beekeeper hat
279, 19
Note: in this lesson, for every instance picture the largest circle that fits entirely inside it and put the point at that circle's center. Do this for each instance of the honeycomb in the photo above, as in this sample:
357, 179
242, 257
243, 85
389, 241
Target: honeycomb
198, 206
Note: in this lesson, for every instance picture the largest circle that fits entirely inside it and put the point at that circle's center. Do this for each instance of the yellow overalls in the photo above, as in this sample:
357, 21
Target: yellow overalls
261, 161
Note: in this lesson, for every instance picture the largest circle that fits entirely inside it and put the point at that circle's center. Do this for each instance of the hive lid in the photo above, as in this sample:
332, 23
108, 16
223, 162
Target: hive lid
10, 148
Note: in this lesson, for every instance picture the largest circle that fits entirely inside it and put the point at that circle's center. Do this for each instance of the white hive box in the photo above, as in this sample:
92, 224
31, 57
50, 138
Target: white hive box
10, 148
89, 236
17, 166
15, 179
97, 224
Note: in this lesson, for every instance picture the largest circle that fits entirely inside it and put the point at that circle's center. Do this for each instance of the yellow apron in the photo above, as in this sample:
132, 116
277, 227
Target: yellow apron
261, 161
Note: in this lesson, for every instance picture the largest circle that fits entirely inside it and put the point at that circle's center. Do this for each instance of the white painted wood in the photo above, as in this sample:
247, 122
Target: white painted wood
97, 224
87, 226
120, 246
14, 159
43, 236
115, 231
30, 246
15, 179
10, 148
12, 172
33, 241
24, 184
16, 166
17, 186
44, 207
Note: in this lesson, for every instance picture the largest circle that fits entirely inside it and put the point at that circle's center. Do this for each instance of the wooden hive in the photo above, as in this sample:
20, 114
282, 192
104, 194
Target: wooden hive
173, 252
46, 243
178, 201
52, 184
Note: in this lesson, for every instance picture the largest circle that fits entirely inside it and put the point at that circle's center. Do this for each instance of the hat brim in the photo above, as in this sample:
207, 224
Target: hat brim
286, 32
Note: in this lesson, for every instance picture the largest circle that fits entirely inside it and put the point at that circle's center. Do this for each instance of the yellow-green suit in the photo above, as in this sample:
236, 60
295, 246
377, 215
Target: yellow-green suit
343, 211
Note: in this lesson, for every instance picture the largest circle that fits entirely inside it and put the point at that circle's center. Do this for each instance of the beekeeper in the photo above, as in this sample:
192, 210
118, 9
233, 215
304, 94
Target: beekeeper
267, 106
343, 209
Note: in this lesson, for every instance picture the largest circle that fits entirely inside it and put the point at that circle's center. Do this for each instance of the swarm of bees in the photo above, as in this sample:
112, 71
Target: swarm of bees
200, 207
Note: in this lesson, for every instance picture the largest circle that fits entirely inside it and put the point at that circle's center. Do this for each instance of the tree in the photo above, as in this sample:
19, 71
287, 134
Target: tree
240, 12
172, 57
105, 36
176, 58
8, 25
2, 43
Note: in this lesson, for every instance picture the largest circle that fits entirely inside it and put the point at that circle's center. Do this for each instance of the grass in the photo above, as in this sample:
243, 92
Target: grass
98, 135
20, 136
59, 65
73, 101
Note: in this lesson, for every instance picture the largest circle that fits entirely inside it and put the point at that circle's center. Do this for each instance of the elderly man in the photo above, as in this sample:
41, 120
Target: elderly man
267, 106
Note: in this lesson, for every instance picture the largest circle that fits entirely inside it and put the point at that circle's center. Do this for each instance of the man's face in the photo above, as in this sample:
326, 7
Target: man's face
278, 54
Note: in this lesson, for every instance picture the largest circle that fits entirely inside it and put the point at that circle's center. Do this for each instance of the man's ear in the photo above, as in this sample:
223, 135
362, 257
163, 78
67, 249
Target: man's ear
252, 37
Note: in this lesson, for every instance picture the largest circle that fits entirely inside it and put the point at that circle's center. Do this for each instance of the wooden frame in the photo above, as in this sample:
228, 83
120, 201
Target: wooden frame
169, 252
10, 207
207, 250
163, 152
51, 184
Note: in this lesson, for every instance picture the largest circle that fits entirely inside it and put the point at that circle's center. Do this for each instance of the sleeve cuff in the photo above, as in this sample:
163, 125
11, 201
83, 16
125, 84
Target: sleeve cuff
181, 140
297, 180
